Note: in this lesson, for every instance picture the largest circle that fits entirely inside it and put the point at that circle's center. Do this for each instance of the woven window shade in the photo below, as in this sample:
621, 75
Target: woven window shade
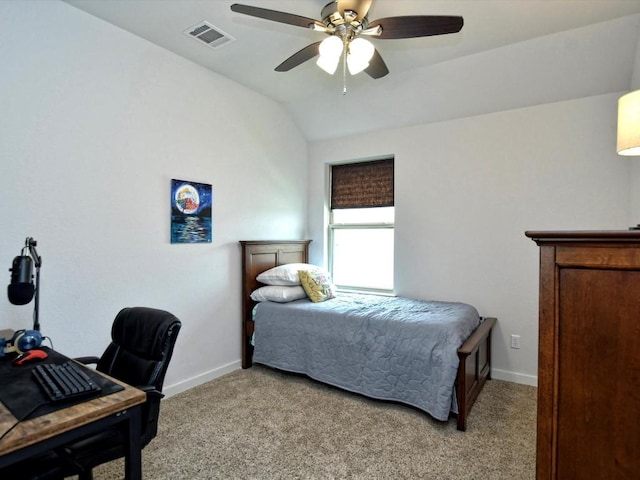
362, 185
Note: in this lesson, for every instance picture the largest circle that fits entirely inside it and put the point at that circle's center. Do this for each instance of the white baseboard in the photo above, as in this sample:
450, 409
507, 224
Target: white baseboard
514, 377
200, 379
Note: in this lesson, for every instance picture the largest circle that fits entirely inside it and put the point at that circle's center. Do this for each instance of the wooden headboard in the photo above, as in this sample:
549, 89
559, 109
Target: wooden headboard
258, 256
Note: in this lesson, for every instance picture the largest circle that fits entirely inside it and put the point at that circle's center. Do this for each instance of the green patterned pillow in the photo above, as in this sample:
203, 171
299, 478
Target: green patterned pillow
317, 285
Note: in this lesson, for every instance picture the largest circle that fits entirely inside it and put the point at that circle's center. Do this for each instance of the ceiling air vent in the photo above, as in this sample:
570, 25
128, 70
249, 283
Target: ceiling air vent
209, 35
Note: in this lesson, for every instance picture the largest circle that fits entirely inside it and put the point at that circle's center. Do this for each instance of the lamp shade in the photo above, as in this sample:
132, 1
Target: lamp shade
629, 124
331, 47
328, 64
330, 50
360, 52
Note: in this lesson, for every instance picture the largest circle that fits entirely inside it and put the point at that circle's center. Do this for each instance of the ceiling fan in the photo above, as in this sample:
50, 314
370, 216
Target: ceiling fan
347, 26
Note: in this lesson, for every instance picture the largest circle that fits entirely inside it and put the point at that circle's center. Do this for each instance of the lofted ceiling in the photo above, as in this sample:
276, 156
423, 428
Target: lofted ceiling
509, 54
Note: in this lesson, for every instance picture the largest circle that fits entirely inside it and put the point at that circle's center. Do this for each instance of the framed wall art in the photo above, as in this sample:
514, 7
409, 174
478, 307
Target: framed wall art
191, 205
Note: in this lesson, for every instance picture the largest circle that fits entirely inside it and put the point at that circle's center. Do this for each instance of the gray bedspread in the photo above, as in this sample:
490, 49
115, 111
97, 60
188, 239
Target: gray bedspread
389, 348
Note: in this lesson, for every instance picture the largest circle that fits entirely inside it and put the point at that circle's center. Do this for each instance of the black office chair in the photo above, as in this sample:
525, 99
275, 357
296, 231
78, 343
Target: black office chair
139, 354
142, 341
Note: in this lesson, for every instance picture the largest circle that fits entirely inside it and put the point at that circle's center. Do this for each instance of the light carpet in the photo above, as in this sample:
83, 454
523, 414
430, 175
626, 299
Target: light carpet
263, 424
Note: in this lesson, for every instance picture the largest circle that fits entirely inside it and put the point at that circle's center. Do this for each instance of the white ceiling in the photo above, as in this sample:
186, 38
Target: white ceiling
509, 54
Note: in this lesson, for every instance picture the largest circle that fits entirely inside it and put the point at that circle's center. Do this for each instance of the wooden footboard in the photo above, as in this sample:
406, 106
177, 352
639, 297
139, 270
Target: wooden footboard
474, 369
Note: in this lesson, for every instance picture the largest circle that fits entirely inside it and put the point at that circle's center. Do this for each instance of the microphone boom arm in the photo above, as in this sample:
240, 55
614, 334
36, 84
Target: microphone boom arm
31, 244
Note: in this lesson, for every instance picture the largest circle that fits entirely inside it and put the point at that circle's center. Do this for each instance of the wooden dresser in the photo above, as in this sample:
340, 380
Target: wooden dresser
589, 357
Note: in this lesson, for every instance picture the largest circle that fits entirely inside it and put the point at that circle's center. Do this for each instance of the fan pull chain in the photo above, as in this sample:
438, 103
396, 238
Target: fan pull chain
344, 68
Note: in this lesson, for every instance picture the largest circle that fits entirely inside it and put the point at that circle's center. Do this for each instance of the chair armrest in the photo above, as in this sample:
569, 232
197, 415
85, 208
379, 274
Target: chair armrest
87, 360
151, 391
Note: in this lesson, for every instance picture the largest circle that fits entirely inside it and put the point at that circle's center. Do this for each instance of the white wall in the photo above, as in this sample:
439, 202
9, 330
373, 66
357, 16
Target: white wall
466, 191
94, 124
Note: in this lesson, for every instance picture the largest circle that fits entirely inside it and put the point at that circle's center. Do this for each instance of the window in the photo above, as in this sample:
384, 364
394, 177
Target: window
361, 228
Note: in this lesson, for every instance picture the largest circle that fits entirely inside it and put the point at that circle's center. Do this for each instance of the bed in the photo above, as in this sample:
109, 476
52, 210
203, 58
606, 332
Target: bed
473, 351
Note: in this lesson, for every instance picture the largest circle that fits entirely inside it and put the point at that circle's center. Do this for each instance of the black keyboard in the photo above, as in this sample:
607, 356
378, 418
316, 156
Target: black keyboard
68, 380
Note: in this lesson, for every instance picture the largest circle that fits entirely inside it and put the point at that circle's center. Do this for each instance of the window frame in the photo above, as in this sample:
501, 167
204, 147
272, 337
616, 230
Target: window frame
359, 226
333, 226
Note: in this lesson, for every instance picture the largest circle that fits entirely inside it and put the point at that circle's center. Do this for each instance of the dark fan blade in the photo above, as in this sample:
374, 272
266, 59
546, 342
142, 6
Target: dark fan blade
417, 26
377, 67
307, 53
275, 16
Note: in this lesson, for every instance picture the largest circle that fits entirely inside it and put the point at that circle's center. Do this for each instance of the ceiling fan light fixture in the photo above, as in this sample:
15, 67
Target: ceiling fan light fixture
360, 53
330, 51
331, 47
328, 64
355, 66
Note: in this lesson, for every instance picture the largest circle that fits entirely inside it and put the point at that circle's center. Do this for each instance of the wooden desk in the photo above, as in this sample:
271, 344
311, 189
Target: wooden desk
41, 434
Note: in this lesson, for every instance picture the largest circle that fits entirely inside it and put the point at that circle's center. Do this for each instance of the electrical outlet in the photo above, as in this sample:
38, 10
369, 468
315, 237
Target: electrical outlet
515, 341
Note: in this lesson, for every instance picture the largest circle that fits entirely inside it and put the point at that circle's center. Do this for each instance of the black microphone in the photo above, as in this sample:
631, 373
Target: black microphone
21, 289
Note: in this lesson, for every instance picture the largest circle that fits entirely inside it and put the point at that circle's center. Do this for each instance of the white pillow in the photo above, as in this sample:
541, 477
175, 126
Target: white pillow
281, 294
285, 274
